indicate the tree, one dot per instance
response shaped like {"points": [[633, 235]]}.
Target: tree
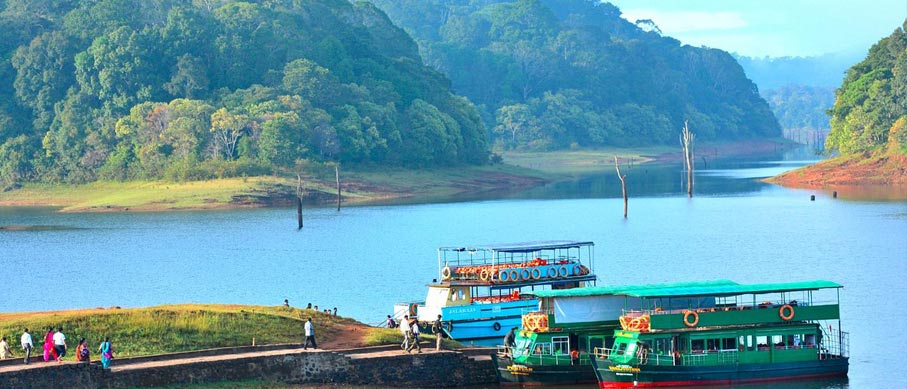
{"points": [[227, 129], [513, 120], [279, 140]]}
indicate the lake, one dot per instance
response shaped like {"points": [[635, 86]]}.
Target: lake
{"points": [[364, 259]]}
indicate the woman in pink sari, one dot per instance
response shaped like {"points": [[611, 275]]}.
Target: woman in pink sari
{"points": [[49, 352]]}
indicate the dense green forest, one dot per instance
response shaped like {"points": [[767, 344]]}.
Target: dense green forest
{"points": [[560, 73], [194, 89], [800, 106], [870, 108]]}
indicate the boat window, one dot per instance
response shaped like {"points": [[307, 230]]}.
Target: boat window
{"points": [[762, 342], [749, 343], [697, 345], [542, 349], [457, 294], [661, 346], [809, 341], [621, 349], [561, 344], [777, 341]]}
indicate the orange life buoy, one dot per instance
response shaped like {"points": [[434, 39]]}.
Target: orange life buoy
{"points": [[445, 273], [413, 310], [577, 270], [514, 275], [789, 315], [687, 321], [552, 272], [536, 273], [484, 275], [502, 275]]}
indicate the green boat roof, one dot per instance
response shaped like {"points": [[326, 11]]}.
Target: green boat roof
{"points": [[688, 289]]}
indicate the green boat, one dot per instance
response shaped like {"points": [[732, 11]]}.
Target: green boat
{"points": [[750, 333], [572, 321]]}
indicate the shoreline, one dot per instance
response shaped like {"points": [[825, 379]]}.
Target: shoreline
{"points": [[370, 186]]}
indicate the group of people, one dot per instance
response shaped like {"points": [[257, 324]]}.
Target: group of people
{"points": [[55, 347], [409, 327], [286, 303]]}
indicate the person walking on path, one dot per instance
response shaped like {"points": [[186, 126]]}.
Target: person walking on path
{"points": [[27, 345], [4, 349], [437, 327], [414, 328], [309, 335], [390, 322], [106, 351], [405, 330], [49, 352], [60, 344]]}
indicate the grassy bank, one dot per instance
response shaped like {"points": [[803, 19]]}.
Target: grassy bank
{"points": [[358, 187], [520, 170], [175, 328]]}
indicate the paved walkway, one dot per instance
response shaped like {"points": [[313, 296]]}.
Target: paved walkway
{"points": [[125, 365]]}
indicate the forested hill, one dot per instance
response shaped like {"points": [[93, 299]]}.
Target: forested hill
{"points": [[560, 73], [870, 109], [124, 89]]}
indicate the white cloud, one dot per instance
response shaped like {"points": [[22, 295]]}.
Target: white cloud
{"points": [[676, 22]]}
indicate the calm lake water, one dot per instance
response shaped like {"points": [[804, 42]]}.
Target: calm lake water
{"points": [[364, 259]]}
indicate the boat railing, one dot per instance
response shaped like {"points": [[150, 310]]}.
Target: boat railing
{"points": [[721, 357], [835, 344], [720, 308]]}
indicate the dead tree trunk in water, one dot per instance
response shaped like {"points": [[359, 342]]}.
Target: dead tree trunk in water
{"points": [[623, 185], [299, 200], [686, 140], [337, 174]]}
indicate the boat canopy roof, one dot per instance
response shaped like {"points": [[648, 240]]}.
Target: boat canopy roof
{"points": [[688, 289], [522, 247]]}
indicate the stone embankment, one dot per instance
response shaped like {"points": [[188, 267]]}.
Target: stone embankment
{"points": [[382, 366]]}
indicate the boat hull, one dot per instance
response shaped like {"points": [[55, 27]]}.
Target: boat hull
{"points": [[484, 324], [623, 376], [510, 373]]}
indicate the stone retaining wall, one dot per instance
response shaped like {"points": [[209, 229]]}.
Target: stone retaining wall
{"points": [[442, 369]]}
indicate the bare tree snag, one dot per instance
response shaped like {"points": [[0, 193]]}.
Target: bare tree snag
{"points": [[299, 201], [623, 184], [337, 175], [686, 140]]}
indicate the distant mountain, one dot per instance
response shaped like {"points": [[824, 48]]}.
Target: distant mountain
{"points": [[184, 89], [822, 71], [550, 74]]}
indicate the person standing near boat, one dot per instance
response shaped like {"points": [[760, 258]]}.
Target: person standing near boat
{"points": [[437, 327], [414, 329], [405, 330], [106, 351], [309, 335], [27, 345], [509, 341]]}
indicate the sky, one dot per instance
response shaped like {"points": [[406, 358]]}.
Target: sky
{"points": [[774, 28]]}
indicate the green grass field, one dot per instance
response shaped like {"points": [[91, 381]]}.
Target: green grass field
{"points": [[175, 328]]}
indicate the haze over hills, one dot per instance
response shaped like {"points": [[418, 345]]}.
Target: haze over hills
{"points": [[549, 74]]}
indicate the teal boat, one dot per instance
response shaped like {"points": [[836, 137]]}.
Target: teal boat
{"points": [[750, 333], [575, 321]]}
